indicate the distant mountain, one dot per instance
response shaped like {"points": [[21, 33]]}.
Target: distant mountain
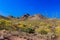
{"points": [[10, 17], [28, 17], [2, 17]]}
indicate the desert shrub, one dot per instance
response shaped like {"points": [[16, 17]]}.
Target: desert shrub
{"points": [[43, 31], [1, 28], [57, 30], [21, 26], [6, 24], [42, 23], [30, 30]]}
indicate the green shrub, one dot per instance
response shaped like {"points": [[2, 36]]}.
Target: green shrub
{"points": [[1, 28], [30, 30]]}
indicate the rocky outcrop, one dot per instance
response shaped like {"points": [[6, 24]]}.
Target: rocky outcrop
{"points": [[26, 16], [36, 17]]}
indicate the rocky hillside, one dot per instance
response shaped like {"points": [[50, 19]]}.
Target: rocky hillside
{"points": [[27, 27], [34, 17]]}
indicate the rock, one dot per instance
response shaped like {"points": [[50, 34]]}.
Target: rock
{"points": [[1, 37], [5, 39], [16, 38]]}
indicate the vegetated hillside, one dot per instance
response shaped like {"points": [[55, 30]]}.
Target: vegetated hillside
{"points": [[35, 22], [36, 25]]}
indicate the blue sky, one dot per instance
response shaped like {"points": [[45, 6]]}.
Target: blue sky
{"points": [[50, 8]]}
